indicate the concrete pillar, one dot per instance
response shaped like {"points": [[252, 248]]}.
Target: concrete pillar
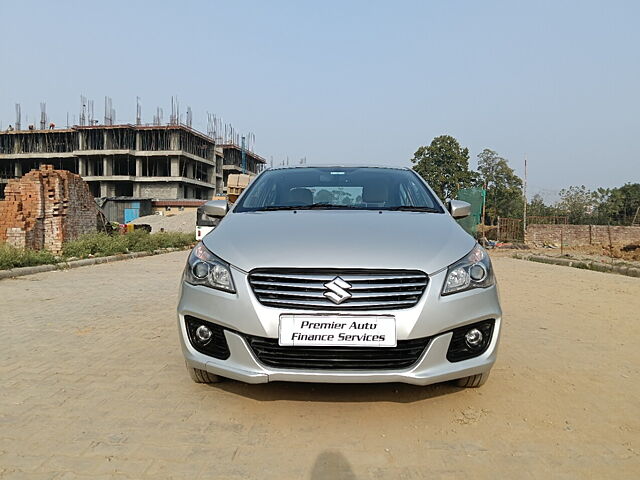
{"points": [[104, 189], [82, 141], [138, 141], [107, 166], [82, 167], [138, 166], [175, 166], [190, 169], [105, 137], [17, 169], [174, 143], [90, 167], [211, 174], [137, 190]]}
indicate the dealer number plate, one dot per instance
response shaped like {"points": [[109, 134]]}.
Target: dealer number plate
{"points": [[338, 330]]}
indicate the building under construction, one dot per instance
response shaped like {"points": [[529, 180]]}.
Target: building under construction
{"points": [[158, 161]]}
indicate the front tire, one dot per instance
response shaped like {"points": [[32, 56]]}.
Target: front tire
{"points": [[202, 376], [474, 381]]}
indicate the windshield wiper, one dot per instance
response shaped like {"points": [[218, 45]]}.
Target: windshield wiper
{"points": [[276, 207], [413, 208], [323, 205], [319, 205]]}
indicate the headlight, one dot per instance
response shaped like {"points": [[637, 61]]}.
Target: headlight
{"points": [[204, 268], [472, 271]]}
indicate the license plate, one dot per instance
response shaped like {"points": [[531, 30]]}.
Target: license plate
{"points": [[338, 330]]}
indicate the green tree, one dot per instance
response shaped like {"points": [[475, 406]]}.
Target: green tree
{"points": [[617, 206], [504, 188], [578, 204], [445, 165], [537, 208]]}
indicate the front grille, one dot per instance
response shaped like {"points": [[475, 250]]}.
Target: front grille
{"points": [[368, 289], [270, 353]]}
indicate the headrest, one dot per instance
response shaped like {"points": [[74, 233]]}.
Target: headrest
{"points": [[324, 196], [375, 193], [300, 196]]}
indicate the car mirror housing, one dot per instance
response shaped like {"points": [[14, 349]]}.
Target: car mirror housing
{"points": [[216, 208], [459, 209]]}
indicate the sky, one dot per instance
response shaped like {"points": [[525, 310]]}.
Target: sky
{"points": [[351, 81]]}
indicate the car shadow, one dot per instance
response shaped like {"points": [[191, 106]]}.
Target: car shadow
{"points": [[337, 392], [332, 465]]}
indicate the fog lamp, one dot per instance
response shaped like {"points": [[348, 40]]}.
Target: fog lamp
{"points": [[473, 338], [203, 334]]}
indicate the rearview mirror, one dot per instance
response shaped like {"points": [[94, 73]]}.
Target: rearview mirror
{"points": [[216, 208], [459, 209]]}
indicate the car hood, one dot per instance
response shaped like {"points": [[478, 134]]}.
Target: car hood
{"points": [[339, 239]]}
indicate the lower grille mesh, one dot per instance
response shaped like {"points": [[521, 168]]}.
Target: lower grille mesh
{"points": [[270, 353]]}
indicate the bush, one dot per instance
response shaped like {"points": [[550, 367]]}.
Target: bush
{"points": [[141, 241], [101, 244], [94, 244], [98, 244], [11, 257]]}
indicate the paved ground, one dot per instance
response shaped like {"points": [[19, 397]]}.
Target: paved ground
{"points": [[92, 385]]}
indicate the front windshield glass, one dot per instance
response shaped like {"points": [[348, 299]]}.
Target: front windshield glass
{"points": [[362, 188]]}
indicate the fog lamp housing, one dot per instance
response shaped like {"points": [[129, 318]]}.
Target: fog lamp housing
{"points": [[470, 340], [207, 337]]}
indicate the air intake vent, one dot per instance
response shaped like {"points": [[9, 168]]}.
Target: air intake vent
{"points": [[270, 353]]}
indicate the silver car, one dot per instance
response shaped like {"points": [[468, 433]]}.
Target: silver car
{"points": [[339, 274]]}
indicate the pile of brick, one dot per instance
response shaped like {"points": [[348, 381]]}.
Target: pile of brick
{"points": [[45, 208]]}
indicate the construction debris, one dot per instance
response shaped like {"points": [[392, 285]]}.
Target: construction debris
{"points": [[46, 208]]}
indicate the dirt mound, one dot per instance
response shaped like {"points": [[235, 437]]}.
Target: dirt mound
{"points": [[180, 222]]}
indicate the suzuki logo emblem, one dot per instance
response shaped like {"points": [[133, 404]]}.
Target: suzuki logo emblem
{"points": [[337, 290]]}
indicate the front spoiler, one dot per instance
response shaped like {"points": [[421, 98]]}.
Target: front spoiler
{"points": [[432, 367]]}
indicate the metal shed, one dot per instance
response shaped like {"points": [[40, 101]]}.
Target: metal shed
{"points": [[125, 209]]}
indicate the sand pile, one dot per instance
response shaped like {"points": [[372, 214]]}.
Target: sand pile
{"points": [[178, 222]]}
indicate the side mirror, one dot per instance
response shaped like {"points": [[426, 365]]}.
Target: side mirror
{"points": [[216, 208], [459, 209]]}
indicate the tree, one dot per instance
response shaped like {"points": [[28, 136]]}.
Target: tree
{"points": [[504, 188], [577, 203], [445, 165], [537, 208], [617, 206]]}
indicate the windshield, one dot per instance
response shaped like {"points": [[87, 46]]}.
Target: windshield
{"points": [[362, 188]]}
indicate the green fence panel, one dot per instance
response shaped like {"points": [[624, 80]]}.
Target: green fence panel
{"points": [[474, 196]]}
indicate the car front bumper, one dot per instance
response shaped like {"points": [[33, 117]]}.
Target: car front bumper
{"points": [[434, 316]]}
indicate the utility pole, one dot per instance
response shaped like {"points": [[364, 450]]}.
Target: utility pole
{"points": [[244, 158], [524, 217], [484, 209]]}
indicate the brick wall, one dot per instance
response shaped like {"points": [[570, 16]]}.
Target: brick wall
{"points": [[45, 208], [578, 235]]}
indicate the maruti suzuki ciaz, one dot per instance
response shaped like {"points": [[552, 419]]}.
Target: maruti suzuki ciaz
{"points": [[339, 274]]}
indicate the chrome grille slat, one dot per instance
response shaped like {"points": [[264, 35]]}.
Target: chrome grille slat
{"points": [[328, 305], [328, 277], [368, 289], [355, 296], [320, 285]]}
